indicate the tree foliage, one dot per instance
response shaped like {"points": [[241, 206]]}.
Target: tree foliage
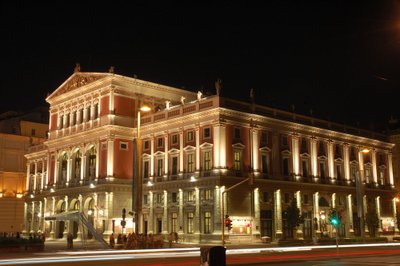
{"points": [[293, 216], [372, 220]]}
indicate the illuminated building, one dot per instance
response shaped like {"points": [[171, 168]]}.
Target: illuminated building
{"points": [[194, 147], [18, 132]]}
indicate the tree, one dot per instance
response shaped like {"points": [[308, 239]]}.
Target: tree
{"points": [[293, 216], [372, 220]]}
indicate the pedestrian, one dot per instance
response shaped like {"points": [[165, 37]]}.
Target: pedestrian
{"points": [[112, 240], [70, 241]]}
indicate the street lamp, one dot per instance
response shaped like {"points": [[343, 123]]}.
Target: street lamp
{"points": [[136, 177], [360, 196]]}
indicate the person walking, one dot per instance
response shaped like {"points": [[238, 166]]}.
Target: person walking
{"points": [[70, 241]]}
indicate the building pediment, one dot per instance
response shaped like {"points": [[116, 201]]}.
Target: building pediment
{"points": [[76, 81]]}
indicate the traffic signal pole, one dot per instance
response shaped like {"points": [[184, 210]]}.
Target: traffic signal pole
{"points": [[222, 207]]}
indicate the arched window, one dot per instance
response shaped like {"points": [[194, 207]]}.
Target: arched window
{"points": [[91, 163], [63, 168], [77, 160]]}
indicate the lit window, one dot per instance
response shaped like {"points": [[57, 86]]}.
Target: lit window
{"points": [[238, 160], [190, 163]]}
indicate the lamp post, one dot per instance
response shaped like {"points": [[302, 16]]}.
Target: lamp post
{"points": [[136, 177]]}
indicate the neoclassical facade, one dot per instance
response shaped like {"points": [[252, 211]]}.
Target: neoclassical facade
{"points": [[196, 151]]}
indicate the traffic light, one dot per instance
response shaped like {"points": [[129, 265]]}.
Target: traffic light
{"points": [[334, 217], [228, 222]]}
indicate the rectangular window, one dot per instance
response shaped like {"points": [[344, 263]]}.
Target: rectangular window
{"points": [[367, 175], [353, 172], [146, 144], [74, 118], [338, 171], [322, 170], [264, 138], [237, 161], [123, 146], [61, 122], [174, 167], [88, 117], [236, 133], [159, 198], [285, 165], [305, 199], [174, 197], [174, 139], [190, 163], [207, 161], [160, 167], [207, 194], [287, 198], [33, 132], [284, 141], [174, 222], [80, 118], [160, 143], [191, 195], [304, 167], [67, 120], [190, 136], [207, 133], [207, 222], [266, 196], [146, 169], [145, 199], [264, 164], [190, 216], [96, 111]]}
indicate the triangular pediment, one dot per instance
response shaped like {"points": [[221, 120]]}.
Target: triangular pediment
{"points": [[76, 81]]}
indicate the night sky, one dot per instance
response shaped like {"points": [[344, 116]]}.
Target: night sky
{"points": [[340, 59]]}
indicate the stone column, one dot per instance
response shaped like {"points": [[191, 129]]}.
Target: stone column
{"points": [[180, 211], [35, 177], [69, 170], [278, 214], [151, 213], [53, 223], [378, 211], [374, 166], [394, 210], [152, 157], [331, 160], [197, 216], [28, 176], [166, 156], [165, 214], [80, 226], [217, 211], [295, 155], [299, 231], [110, 159], [25, 227], [256, 223], [390, 169], [349, 214], [316, 221], [314, 156], [180, 151], [108, 214], [197, 138], [346, 162]]}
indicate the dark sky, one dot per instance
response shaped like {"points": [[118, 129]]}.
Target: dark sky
{"points": [[339, 58]]}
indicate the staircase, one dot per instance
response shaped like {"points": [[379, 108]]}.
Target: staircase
{"points": [[92, 230]]}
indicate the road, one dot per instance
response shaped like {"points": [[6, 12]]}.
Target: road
{"points": [[350, 255]]}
